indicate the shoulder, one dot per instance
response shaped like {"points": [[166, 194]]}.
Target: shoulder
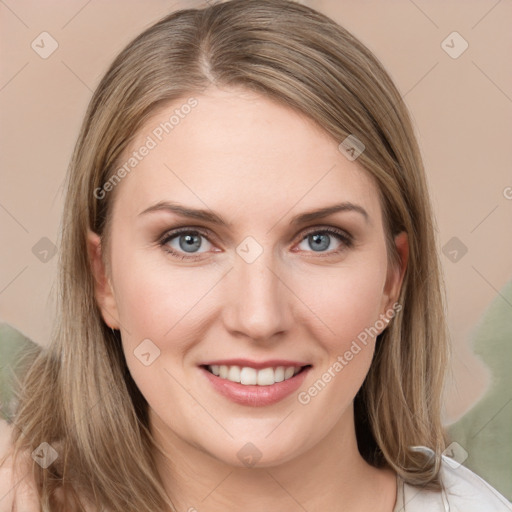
{"points": [[17, 489], [464, 491], [465, 488]]}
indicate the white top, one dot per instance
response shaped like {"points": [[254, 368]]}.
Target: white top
{"points": [[464, 491]]}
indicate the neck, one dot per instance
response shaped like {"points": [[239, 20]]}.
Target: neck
{"points": [[331, 475]]}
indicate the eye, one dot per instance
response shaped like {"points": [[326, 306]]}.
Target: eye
{"points": [[320, 240], [185, 243]]}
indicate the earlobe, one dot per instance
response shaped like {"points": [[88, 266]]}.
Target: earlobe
{"points": [[102, 288]]}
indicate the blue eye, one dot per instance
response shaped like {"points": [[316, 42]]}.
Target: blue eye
{"points": [[187, 240], [320, 240], [186, 243]]}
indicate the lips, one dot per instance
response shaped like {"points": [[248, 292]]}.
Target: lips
{"points": [[255, 383]]}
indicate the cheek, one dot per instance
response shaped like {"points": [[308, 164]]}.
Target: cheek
{"points": [[151, 295], [350, 306], [163, 302], [345, 300]]}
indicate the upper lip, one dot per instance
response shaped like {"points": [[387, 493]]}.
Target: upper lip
{"points": [[258, 365]]}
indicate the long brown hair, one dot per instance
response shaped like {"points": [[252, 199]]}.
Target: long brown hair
{"points": [[78, 394]]}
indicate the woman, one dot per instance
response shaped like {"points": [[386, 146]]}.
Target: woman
{"points": [[251, 310]]}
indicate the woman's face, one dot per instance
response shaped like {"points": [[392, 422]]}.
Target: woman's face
{"points": [[252, 280]]}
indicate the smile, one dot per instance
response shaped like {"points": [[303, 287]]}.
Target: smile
{"points": [[251, 376], [256, 387]]}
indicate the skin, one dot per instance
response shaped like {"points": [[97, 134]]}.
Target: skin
{"points": [[257, 164]]}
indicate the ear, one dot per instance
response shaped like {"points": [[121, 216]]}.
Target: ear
{"points": [[396, 273], [103, 290]]}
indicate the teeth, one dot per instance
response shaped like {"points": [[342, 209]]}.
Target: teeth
{"points": [[234, 374], [266, 377], [250, 376], [289, 372]]}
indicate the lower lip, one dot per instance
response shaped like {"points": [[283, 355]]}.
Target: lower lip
{"points": [[256, 396]]}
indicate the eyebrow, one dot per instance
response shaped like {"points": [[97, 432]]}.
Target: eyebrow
{"points": [[213, 218]]}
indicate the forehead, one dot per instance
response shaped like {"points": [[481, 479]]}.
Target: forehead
{"points": [[239, 153]]}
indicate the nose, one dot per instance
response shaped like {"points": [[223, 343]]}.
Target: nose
{"points": [[259, 304]]}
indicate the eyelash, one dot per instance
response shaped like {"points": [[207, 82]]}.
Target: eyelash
{"points": [[342, 236]]}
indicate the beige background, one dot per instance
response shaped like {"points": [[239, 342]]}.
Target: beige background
{"points": [[462, 110]]}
